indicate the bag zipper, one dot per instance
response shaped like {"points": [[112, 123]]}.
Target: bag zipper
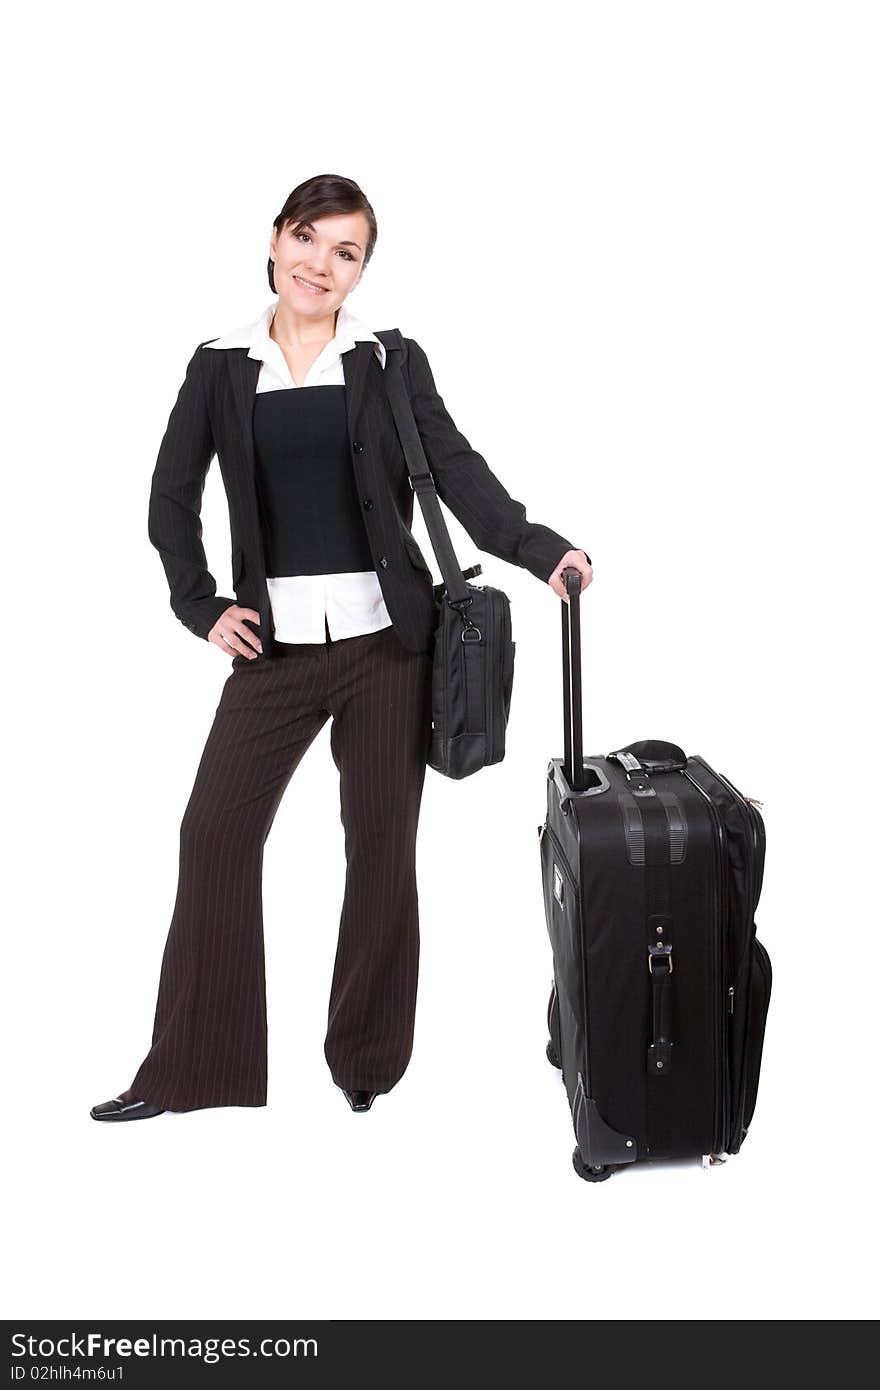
{"points": [[490, 693]]}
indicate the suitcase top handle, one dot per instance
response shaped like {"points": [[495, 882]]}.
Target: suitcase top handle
{"points": [[651, 754]]}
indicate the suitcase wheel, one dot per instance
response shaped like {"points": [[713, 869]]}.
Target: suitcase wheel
{"points": [[597, 1174], [553, 1055]]}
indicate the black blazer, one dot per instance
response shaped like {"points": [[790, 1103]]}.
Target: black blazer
{"points": [[213, 415]]}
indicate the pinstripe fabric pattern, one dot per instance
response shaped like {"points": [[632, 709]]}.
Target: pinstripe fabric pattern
{"points": [[209, 1043]]}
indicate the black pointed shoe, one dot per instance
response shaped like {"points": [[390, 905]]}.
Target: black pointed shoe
{"points": [[117, 1109], [360, 1100]]}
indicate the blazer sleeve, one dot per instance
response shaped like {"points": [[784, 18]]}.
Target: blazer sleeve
{"points": [[494, 520], [175, 527]]}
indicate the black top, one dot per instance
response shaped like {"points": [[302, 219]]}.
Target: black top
{"points": [[312, 521]]}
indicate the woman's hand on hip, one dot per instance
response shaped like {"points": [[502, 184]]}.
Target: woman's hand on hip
{"points": [[232, 637], [575, 560]]}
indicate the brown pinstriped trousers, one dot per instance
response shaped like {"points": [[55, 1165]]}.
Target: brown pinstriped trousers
{"points": [[210, 1031]]}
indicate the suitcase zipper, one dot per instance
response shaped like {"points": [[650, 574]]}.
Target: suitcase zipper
{"points": [[755, 824], [722, 1073], [755, 877]]}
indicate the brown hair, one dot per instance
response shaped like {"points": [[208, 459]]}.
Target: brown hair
{"points": [[324, 195]]}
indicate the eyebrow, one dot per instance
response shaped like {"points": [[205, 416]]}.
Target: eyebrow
{"points": [[312, 228]]}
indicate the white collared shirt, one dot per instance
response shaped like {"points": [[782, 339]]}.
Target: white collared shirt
{"points": [[351, 603]]}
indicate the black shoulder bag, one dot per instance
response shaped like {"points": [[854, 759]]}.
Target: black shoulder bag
{"points": [[473, 645]]}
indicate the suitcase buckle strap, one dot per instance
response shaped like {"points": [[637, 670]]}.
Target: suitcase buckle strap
{"points": [[636, 775], [627, 761], [660, 1049], [660, 952]]}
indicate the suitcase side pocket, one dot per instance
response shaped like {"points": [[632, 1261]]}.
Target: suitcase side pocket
{"points": [[562, 911], [554, 1045], [759, 1003]]}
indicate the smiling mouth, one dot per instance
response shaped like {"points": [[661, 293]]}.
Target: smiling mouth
{"points": [[307, 284]]}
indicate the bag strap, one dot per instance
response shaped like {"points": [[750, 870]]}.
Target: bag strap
{"points": [[420, 478]]}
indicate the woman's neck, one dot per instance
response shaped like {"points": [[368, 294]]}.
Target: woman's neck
{"points": [[288, 330]]}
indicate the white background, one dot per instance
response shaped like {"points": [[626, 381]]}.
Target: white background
{"points": [[639, 245]]}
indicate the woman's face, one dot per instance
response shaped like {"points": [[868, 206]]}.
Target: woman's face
{"points": [[328, 253]]}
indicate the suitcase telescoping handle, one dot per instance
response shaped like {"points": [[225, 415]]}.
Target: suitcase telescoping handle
{"points": [[572, 694], [647, 755]]}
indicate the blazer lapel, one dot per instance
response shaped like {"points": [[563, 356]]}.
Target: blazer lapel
{"points": [[354, 368], [244, 372]]}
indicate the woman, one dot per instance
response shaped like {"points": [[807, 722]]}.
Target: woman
{"points": [[333, 618]]}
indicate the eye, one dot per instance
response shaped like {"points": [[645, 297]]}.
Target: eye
{"points": [[348, 256]]}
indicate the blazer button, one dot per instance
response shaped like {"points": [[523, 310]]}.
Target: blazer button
{"points": [[358, 447], [383, 562], [368, 504]]}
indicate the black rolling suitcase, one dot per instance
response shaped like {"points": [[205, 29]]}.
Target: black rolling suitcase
{"points": [[652, 865]]}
